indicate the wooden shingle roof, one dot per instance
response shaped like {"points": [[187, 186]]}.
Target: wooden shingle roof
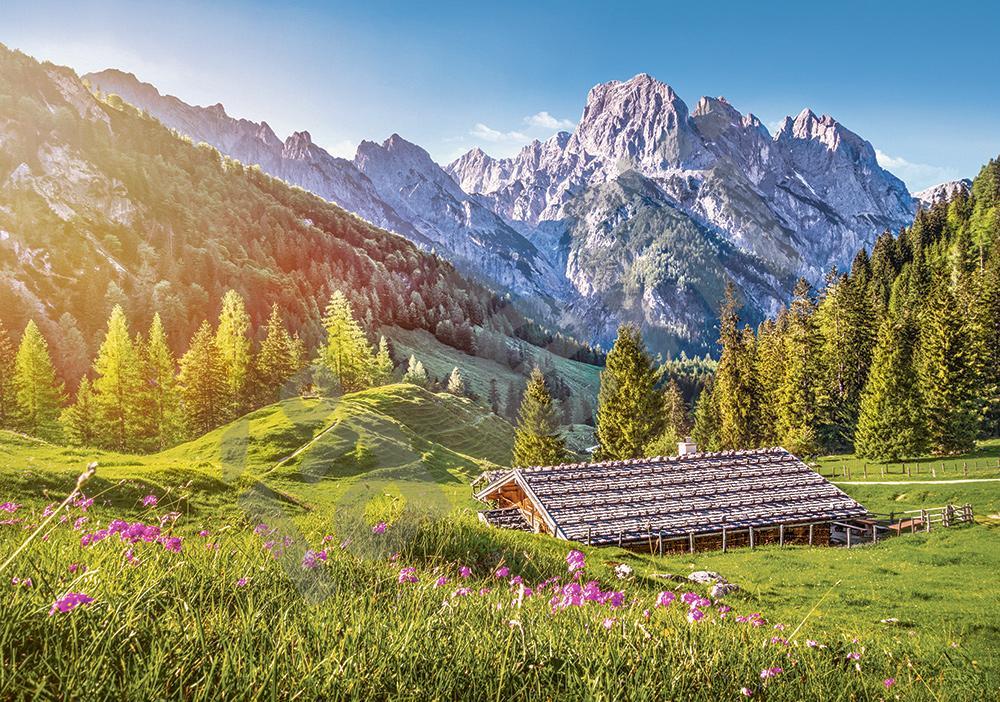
{"points": [[675, 496], [510, 518]]}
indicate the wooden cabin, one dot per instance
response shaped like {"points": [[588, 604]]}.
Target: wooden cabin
{"points": [[694, 501]]}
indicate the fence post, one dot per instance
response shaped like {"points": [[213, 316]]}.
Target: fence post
{"points": [[723, 538], [924, 518], [659, 545], [965, 470], [751, 537], [691, 541], [874, 534], [866, 471], [589, 532], [781, 534], [619, 539], [810, 534], [849, 537]]}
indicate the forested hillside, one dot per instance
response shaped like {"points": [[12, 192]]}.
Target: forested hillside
{"points": [[898, 356]]}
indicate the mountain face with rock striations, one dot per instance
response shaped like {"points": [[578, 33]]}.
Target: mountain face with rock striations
{"points": [[640, 214], [942, 192]]}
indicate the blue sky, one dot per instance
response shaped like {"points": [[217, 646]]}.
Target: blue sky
{"points": [[918, 80]]}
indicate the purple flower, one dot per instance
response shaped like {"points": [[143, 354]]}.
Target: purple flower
{"points": [[78, 524], [465, 571], [462, 592], [172, 543], [771, 672], [664, 599], [889, 682], [10, 507], [407, 575], [695, 615], [379, 528], [440, 582], [204, 533], [779, 640], [608, 622], [74, 567], [242, 582], [83, 502], [575, 560], [746, 692], [313, 558], [502, 572], [69, 602], [150, 501], [854, 656]]}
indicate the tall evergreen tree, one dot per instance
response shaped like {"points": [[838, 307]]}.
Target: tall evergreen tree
{"points": [[37, 390], [494, 397], [986, 326], [706, 420], [737, 390], [73, 359], [415, 373], [947, 375], [79, 420], [117, 386], [8, 395], [383, 365], [770, 373], [513, 402], [277, 361], [160, 399], [346, 353], [456, 386], [537, 440], [204, 392], [675, 422], [232, 339], [798, 404], [890, 420], [629, 408]]}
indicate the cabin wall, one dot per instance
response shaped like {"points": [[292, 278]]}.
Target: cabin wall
{"points": [[511, 495], [762, 536]]}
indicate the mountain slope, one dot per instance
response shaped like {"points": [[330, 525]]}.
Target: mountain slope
{"points": [[100, 205], [394, 185]]}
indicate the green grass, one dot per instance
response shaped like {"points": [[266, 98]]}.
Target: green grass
{"points": [[175, 625], [984, 462]]}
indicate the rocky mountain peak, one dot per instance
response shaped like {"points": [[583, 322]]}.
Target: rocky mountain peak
{"points": [[297, 146]]}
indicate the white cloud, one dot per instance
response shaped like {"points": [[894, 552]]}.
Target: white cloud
{"points": [[344, 148], [481, 131], [546, 121], [917, 176]]}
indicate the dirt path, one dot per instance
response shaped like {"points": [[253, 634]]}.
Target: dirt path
{"points": [[915, 482]]}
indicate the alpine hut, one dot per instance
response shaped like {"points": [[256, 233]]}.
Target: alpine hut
{"points": [[692, 501]]}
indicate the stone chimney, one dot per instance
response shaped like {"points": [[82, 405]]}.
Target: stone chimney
{"points": [[687, 447]]}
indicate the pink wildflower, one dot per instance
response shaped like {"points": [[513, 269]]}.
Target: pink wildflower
{"points": [[664, 599], [695, 615], [779, 640], [49, 509], [242, 582], [78, 524], [746, 692], [502, 572], [771, 672], [811, 644], [379, 528], [575, 560], [608, 622], [854, 656], [440, 582], [74, 567], [130, 557], [172, 543], [462, 592], [779, 627], [313, 558], [465, 571], [69, 602], [83, 502], [407, 575], [204, 533], [889, 682], [9, 507], [150, 501]]}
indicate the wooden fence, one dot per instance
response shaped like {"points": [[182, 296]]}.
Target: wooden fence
{"points": [[934, 469]]}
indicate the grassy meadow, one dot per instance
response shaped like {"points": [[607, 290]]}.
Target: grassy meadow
{"points": [[261, 569]]}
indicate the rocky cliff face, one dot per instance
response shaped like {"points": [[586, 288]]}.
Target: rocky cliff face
{"points": [[640, 214], [942, 192]]}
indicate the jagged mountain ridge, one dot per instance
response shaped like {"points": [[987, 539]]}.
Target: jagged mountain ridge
{"points": [[394, 185], [640, 214], [942, 192]]}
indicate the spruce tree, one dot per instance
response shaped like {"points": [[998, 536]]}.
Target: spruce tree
{"points": [[79, 420], [37, 391], [494, 397], [737, 390], [798, 404], [948, 375], [160, 398], [73, 359], [986, 327], [204, 392], [8, 398], [383, 365], [117, 387], [232, 339], [513, 402], [456, 386], [675, 422], [537, 440], [629, 408], [706, 420], [346, 353], [277, 361], [890, 419], [770, 373], [415, 373]]}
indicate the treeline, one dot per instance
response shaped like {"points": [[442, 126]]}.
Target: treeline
{"points": [[896, 358], [169, 226]]}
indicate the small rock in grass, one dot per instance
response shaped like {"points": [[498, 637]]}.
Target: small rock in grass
{"points": [[670, 576], [721, 589], [705, 577]]}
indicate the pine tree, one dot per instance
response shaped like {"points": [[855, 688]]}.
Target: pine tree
{"points": [[706, 420], [629, 408], [986, 327], [8, 399], [346, 353], [79, 420], [383, 365], [37, 391], [798, 404], [160, 398], [675, 422], [770, 372], [456, 386], [537, 440], [948, 375], [513, 402], [117, 386], [277, 362], [890, 420], [204, 392], [73, 359], [494, 397], [737, 391], [232, 339], [415, 373]]}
